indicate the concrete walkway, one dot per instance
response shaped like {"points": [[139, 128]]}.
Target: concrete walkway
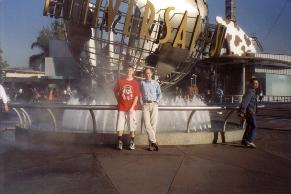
{"points": [[27, 168], [50, 169]]}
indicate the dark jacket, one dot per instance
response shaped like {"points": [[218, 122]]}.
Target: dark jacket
{"points": [[249, 102]]}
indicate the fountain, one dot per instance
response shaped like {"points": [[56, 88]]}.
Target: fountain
{"points": [[80, 120]]}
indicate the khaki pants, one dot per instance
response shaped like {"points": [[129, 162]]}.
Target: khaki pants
{"points": [[150, 117], [126, 117]]}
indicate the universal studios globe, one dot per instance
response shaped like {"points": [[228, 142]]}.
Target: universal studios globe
{"points": [[106, 35]]}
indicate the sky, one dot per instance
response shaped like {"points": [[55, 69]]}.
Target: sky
{"points": [[21, 20]]}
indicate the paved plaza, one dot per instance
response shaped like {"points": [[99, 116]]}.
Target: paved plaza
{"points": [[27, 168]]}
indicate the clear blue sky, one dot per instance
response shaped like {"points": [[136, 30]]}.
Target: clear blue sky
{"points": [[21, 20]]}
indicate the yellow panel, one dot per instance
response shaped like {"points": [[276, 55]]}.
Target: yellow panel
{"points": [[85, 10], [168, 26], [196, 33], [180, 38], [147, 23], [127, 25], [112, 12], [96, 14], [217, 40], [46, 7]]}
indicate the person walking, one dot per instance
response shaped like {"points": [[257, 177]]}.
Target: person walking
{"points": [[247, 110], [4, 98], [151, 95], [127, 93]]}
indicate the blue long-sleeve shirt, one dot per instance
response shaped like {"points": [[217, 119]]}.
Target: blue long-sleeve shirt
{"points": [[151, 90], [249, 102]]}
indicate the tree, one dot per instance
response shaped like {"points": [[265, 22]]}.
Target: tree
{"points": [[54, 31], [3, 63]]}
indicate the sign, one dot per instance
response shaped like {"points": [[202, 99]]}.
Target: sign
{"points": [[81, 12]]}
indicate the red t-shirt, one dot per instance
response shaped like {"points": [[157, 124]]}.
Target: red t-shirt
{"points": [[127, 90]]}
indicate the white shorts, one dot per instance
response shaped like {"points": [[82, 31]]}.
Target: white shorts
{"points": [[128, 118]]}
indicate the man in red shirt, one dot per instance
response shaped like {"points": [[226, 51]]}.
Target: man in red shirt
{"points": [[127, 92]]}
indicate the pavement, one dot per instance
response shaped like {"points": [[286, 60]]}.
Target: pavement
{"points": [[27, 168]]}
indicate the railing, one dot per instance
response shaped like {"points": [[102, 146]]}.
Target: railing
{"points": [[276, 99], [285, 58], [26, 122], [267, 98], [233, 98]]}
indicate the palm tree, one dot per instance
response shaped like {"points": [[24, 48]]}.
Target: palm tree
{"points": [[54, 31], [3, 63]]}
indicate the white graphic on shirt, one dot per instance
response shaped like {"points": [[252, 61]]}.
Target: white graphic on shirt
{"points": [[127, 92]]}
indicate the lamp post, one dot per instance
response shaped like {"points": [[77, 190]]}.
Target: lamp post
{"points": [[194, 76]]}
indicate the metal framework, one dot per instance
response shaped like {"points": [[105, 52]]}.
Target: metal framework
{"points": [[109, 55], [230, 9]]}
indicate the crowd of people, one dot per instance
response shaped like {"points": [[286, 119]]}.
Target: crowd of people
{"points": [[26, 93]]}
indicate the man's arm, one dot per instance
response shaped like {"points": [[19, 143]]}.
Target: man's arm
{"points": [[137, 94], [141, 99], [134, 103], [245, 101], [4, 98], [5, 107], [141, 93], [159, 92]]}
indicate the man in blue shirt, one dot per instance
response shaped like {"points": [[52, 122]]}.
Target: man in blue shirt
{"points": [[151, 95]]}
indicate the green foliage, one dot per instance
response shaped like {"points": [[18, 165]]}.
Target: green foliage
{"points": [[3, 63], [54, 31]]}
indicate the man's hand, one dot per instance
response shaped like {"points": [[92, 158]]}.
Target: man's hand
{"points": [[131, 109], [5, 108], [241, 115], [141, 103]]}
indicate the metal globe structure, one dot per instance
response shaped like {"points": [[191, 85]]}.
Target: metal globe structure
{"points": [[105, 36]]}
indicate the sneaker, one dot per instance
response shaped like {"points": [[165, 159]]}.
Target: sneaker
{"points": [[120, 145], [131, 145], [251, 145], [155, 146], [151, 148]]}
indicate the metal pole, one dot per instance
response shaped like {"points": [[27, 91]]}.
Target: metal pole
{"points": [[53, 118], [244, 79], [93, 120], [230, 10], [189, 120]]}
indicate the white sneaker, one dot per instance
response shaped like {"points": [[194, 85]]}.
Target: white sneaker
{"points": [[131, 145], [251, 144], [120, 145]]}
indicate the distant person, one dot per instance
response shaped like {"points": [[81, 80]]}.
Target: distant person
{"points": [[4, 98], [67, 93], [127, 92], [247, 110], [192, 91], [220, 95], [36, 95], [50, 95], [22, 95], [17, 94], [151, 95]]}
